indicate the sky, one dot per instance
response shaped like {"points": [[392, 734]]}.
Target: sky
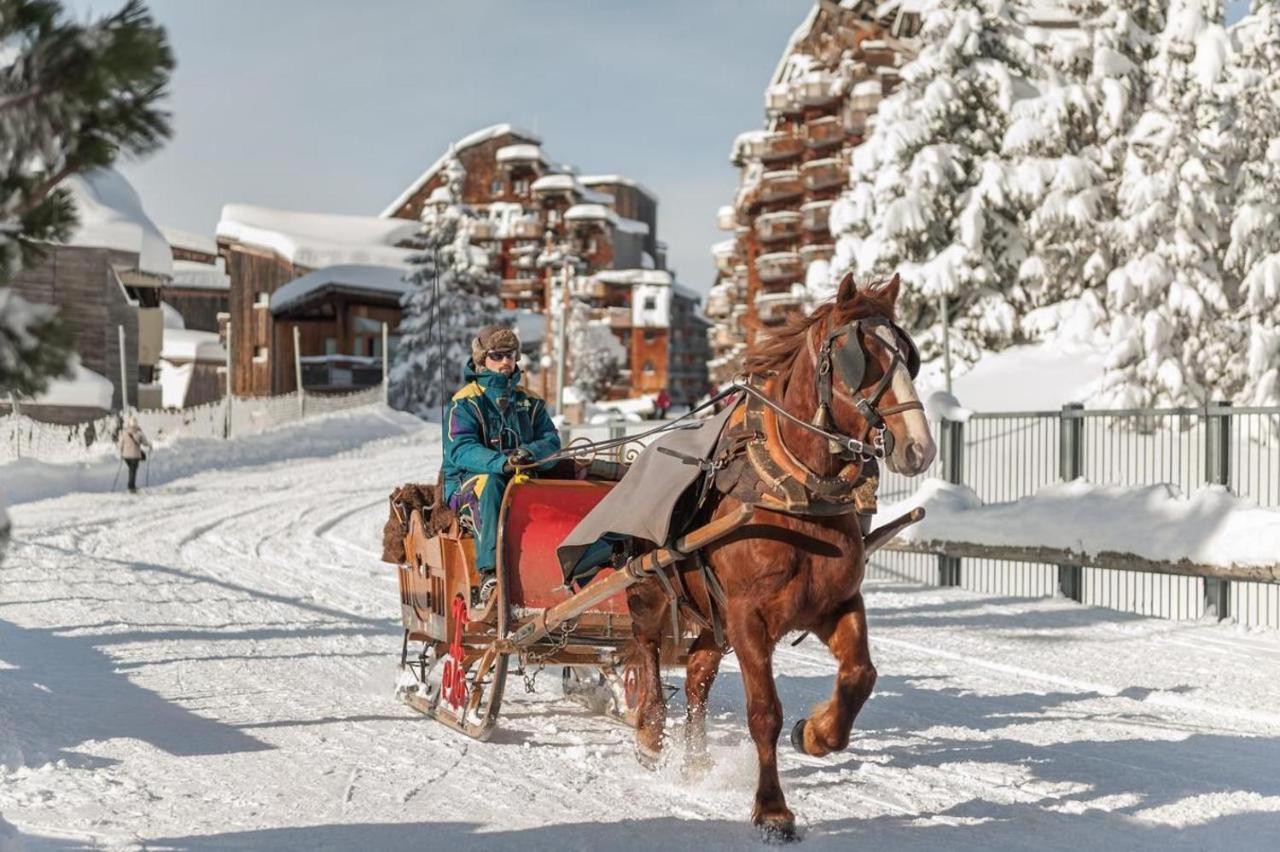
{"points": [[335, 106]]}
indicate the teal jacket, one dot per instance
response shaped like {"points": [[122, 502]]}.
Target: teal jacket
{"points": [[479, 432]]}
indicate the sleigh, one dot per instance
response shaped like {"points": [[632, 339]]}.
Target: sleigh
{"points": [[457, 650]]}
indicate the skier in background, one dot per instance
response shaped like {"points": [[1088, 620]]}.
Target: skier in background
{"points": [[133, 443]]}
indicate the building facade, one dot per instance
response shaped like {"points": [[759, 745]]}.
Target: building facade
{"points": [[820, 104], [533, 211]]}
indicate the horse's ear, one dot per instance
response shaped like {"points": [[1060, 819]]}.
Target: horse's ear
{"points": [[891, 287], [845, 292]]}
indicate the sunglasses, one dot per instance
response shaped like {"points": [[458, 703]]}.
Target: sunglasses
{"points": [[507, 355]]}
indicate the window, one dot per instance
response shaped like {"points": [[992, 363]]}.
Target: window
{"points": [[262, 299], [592, 247], [260, 353], [649, 335], [495, 188], [331, 346], [521, 186], [648, 368], [650, 303]]}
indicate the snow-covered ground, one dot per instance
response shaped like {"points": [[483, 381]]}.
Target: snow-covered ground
{"points": [[209, 665]]}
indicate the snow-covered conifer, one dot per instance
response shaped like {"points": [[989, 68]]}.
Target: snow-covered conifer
{"points": [[455, 296], [931, 196], [1253, 255], [1167, 293], [597, 354], [73, 97]]}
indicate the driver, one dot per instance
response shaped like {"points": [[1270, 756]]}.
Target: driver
{"points": [[493, 424]]}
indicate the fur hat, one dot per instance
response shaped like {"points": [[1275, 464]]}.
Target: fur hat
{"points": [[493, 338]]}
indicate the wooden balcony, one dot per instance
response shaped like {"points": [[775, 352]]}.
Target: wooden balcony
{"points": [[718, 304], [878, 53], [780, 266], [726, 255], [773, 308], [783, 225], [483, 229], [781, 185], [340, 372], [817, 251], [866, 96], [521, 289], [824, 132], [780, 146], [816, 215], [722, 337], [727, 218], [618, 317], [778, 100], [526, 229], [816, 88], [824, 174]]}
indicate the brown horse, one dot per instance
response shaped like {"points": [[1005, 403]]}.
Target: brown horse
{"points": [[788, 570]]}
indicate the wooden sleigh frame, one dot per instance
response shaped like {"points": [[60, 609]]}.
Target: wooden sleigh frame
{"points": [[474, 644]]}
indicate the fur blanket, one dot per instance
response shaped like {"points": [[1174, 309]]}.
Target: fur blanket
{"points": [[400, 508]]}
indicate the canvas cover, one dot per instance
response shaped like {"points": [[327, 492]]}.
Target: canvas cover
{"points": [[641, 505]]}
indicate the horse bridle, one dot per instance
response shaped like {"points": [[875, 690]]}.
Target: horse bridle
{"points": [[850, 360]]}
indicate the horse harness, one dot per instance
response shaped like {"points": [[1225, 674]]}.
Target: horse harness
{"points": [[755, 465]]}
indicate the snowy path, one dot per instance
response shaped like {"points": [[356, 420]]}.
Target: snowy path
{"points": [[210, 666]]}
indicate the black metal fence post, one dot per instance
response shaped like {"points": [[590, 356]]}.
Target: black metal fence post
{"points": [[1071, 466], [953, 469], [1217, 471]]}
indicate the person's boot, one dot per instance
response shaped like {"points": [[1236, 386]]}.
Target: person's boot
{"points": [[487, 588]]}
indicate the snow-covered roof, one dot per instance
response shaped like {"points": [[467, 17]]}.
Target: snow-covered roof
{"points": [[109, 215], [189, 241], [353, 279], [620, 180], [194, 275], [569, 183], [185, 344], [583, 212], [658, 277], [317, 240], [472, 139]]}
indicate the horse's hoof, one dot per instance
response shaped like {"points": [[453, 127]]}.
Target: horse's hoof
{"points": [[648, 758], [696, 766], [777, 829], [797, 736]]}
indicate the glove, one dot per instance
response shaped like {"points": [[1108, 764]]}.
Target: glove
{"points": [[521, 457]]}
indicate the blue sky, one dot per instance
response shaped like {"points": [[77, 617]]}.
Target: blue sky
{"points": [[335, 106]]}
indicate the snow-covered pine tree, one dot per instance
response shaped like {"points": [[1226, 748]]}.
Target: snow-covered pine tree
{"points": [[1170, 339], [1066, 145], [1253, 255], [435, 333], [598, 355], [73, 97], [930, 195]]}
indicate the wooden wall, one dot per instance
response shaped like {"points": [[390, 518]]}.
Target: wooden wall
{"points": [[199, 307], [255, 271], [81, 283]]}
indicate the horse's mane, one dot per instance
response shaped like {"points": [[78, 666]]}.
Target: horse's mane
{"points": [[776, 350]]}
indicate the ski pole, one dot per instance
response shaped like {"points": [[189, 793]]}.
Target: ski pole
{"points": [[148, 474]]}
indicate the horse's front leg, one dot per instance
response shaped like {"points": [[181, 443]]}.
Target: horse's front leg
{"points": [[831, 723], [648, 605], [750, 638], [700, 673]]}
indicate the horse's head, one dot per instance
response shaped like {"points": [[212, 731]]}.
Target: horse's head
{"points": [[865, 367]]}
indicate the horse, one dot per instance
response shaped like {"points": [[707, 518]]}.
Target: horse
{"points": [[796, 566]]}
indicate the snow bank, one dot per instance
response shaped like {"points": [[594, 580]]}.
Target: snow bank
{"points": [[1157, 522], [25, 480], [109, 215], [85, 389], [317, 240]]}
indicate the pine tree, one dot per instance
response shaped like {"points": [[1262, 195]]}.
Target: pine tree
{"points": [[455, 295], [73, 97], [1169, 298], [930, 196], [1253, 255], [1067, 145], [597, 355]]}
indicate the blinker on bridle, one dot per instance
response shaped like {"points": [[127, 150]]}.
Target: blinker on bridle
{"points": [[850, 361]]}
